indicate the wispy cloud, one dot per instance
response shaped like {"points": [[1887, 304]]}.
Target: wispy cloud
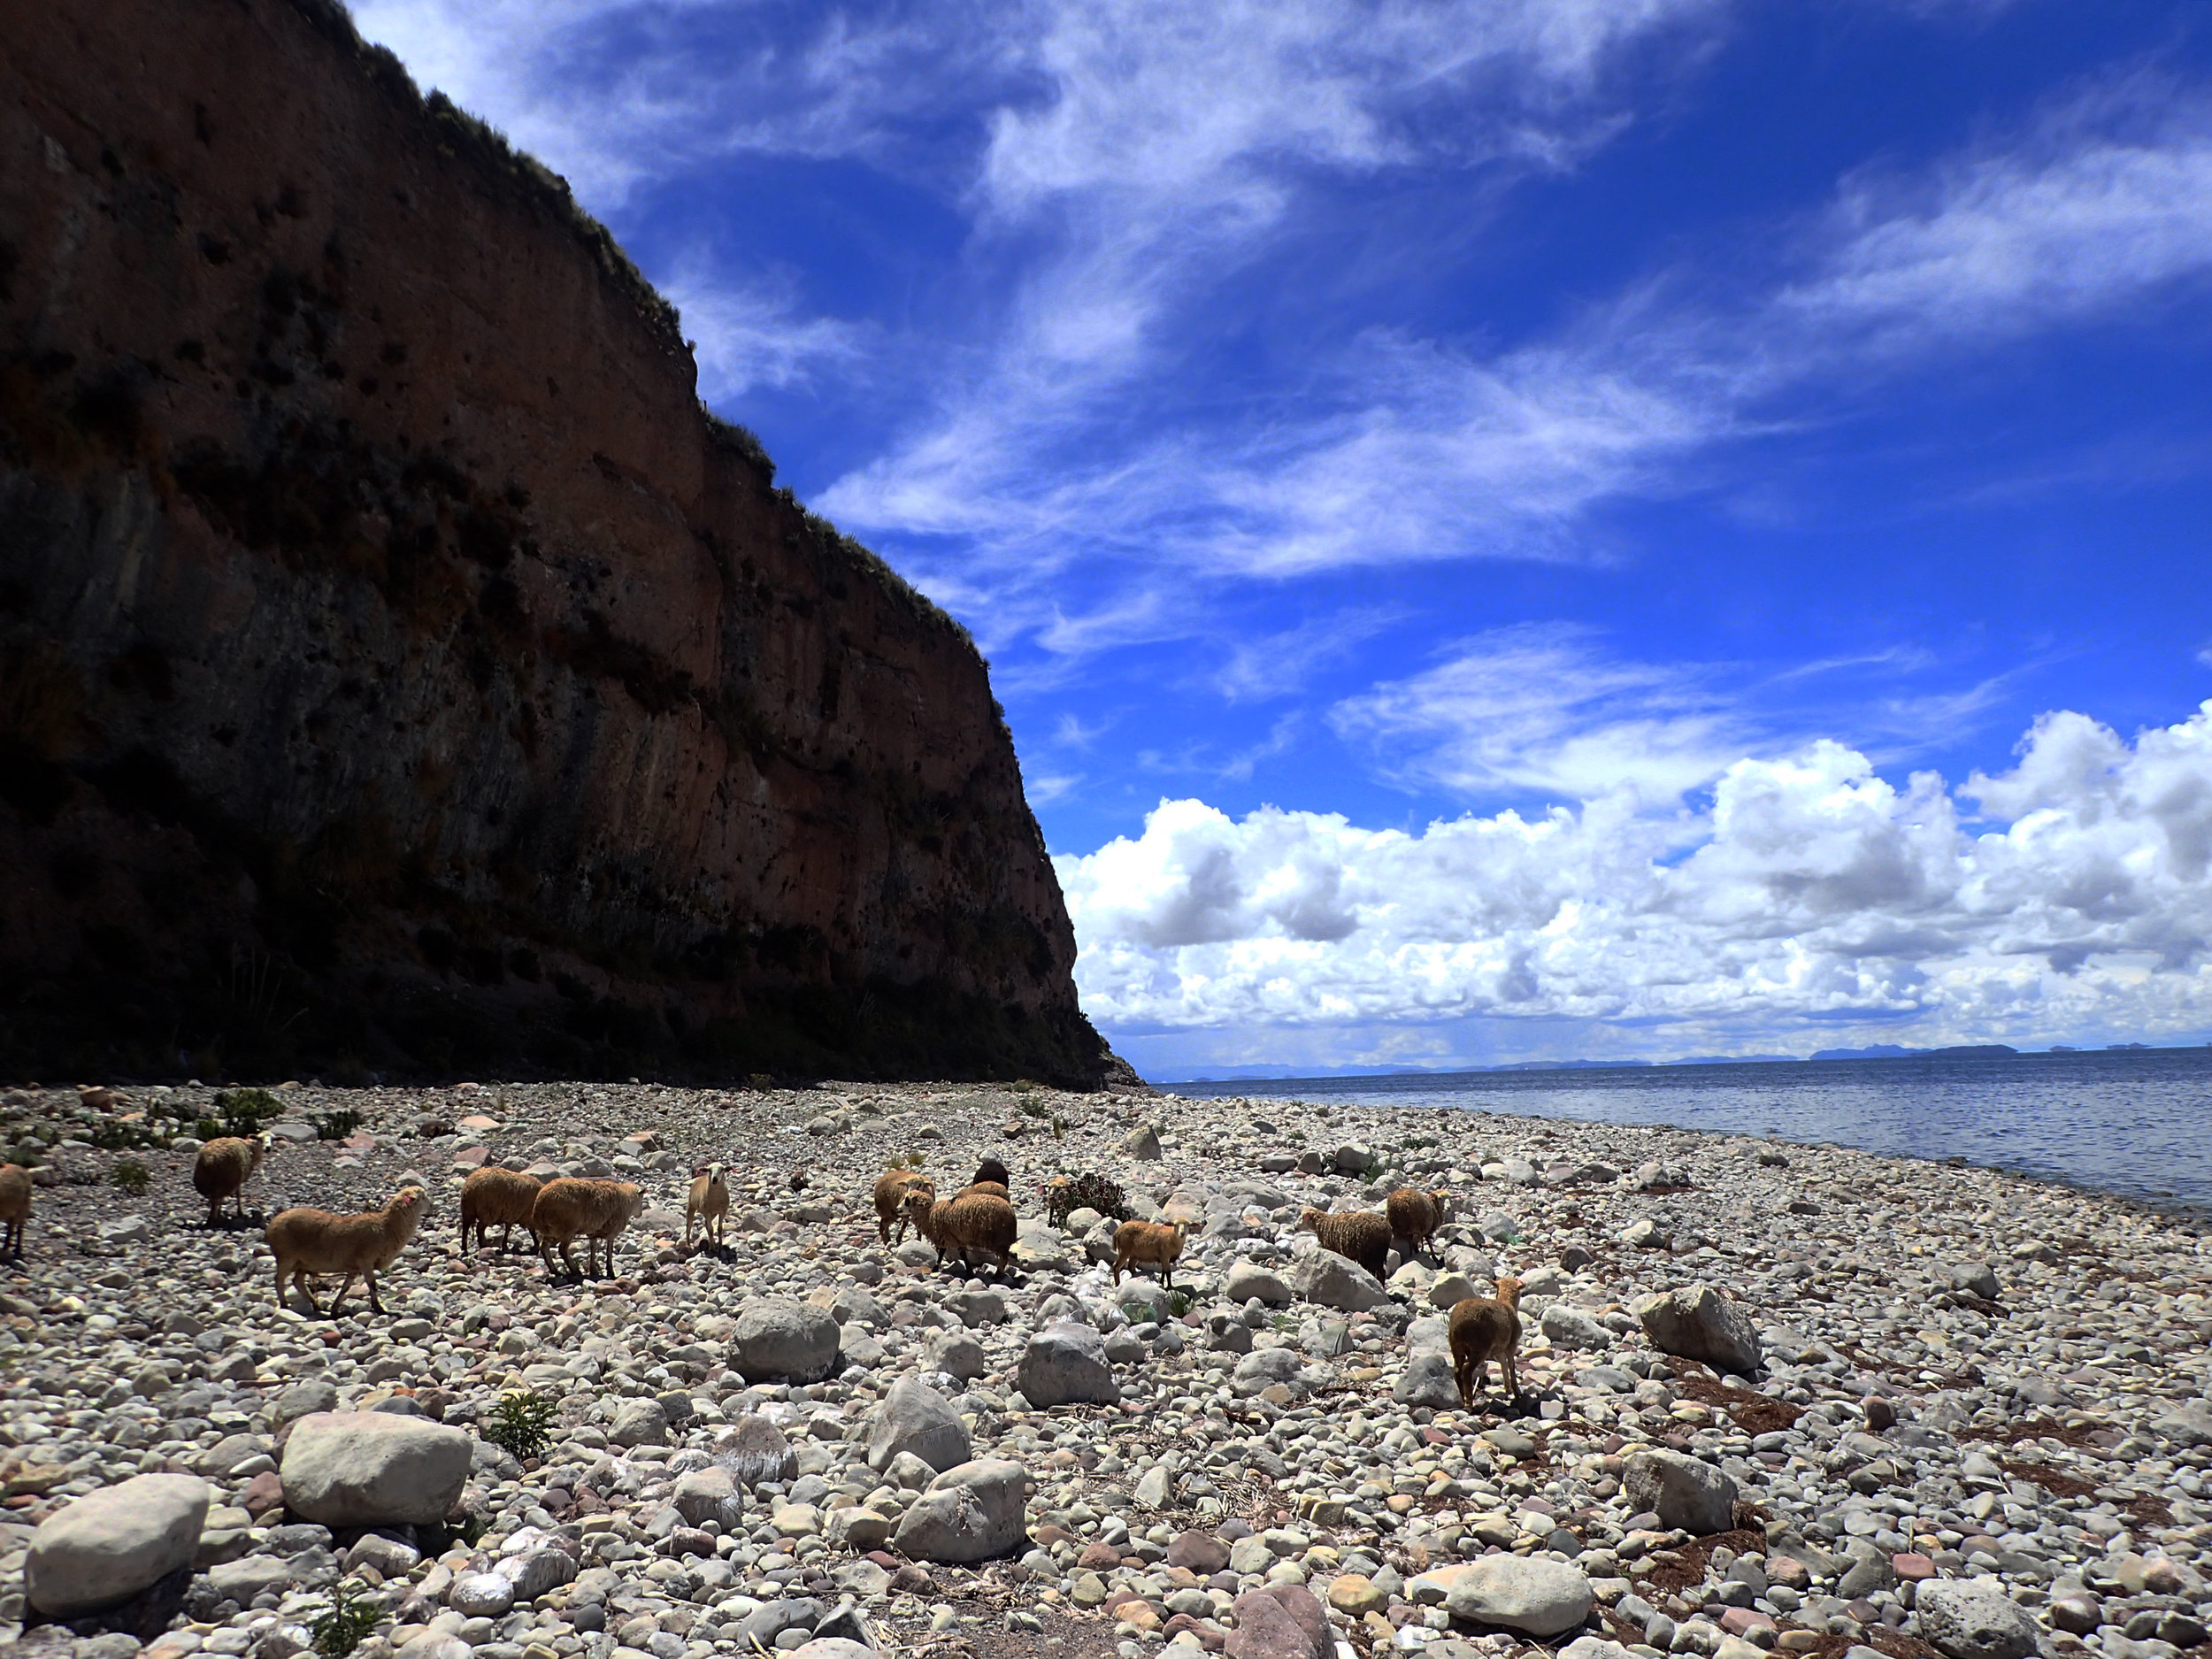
{"points": [[759, 334]]}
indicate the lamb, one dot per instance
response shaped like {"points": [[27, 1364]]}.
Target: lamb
{"points": [[493, 1196], [1362, 1235], [222, 1170], [572, 1208], [315, 1242], [1482, 1330], [708, 1203], [892, 1188], [1414, 1216], [15, 1206], [978, 1222], [1136, 1243]]}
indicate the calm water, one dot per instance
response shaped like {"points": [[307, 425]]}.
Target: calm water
{"points": [[2138, 1123]]}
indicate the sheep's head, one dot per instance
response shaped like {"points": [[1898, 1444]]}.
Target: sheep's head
{"points": [[633, 1200], [714, 1175], [408, 1204], [1310, 1220], [1509, 1292]]}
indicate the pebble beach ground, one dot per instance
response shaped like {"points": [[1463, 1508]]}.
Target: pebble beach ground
{"points": [[1940, 1409]]}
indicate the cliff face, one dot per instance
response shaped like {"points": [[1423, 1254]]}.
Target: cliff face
{"points": [[401, 671]]}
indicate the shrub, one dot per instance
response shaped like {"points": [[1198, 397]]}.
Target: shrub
{"points": [[207, 1129], [906, 1161], [121, 1137], [762, 1081], [247, 1111], [1059, 1127], [1373, 1171], [1181, 1302], [130, 1175], [521, 1424], [336, 1126], [345, 1621]]}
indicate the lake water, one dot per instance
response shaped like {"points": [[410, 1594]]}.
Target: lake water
{"points": [[2136, 1122]]}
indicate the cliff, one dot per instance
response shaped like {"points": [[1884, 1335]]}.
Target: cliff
{"points": [[399, 669]]}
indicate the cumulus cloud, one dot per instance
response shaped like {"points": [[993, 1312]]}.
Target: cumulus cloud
{"points": [[2072, 892]]}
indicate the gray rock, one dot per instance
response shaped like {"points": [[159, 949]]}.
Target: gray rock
{"points": [[249, 1576], [303, 1399], [755, 1453], [780, 1341], [536, 1571], [1248, 1280], [1279, 1622], [709, 1495], [1532, 1595], [480, 1595], [1976, 1278], [1594, 1648], [833, 1648], [370, 1469], [972, 1512], [1698, 1323], [2189, 1423], [110, 1545], [1682, 1491], [915, 1417], [1065, 1364], [1974, 1620], [388, 1556], [1427, 1381], [642, 1422], [1329, 1281], [957, 1354], [1141, 1143], [1569, 1327]]}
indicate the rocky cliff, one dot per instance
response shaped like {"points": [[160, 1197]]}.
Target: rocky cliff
{"points": [[402, 672]]}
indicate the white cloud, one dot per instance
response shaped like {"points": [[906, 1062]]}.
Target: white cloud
{"points": [[756, 335], [1811, 895]]}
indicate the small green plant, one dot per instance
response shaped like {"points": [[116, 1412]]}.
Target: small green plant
{"points": [[247, 1111], [906, 1161], [471, 1530], [345, 1621], [1022, 1085], [1373, 1171], [122, 1137], [1030, 1106], [1181, 1302], [1059, 1127], [1296, 1137], [207, 1129], [129, 1175], [336, 1126], [761, 1082], [521, 1424]]}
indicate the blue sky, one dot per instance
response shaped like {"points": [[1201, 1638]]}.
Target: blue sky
{"points": [[1525, 529]]}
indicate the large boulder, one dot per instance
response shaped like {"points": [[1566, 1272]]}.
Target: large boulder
{"points": [[1566, 1326], [784, 1341], [1248, 1280], [1682, 1491], [1065, 1364], [1142, 1143], [1428, 1378], [709, 1495], [972, 1512], [110, 1545], [2190, 1424], [1282, 1621], [373, 1468], [1975, 1620], [1533, 1594], [915, 1417], [1698, 1323], [1329, 1281], [641, 1422]]}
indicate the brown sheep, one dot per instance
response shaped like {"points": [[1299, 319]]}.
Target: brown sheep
{"points": [[1482, 1330], [595, 1212], [985, 1189], [1414, 1216], [495, 1197], [979, 1223], [892, 1188], [315, 1242], [222, 1170], [15, 1205], [1136, 1243], [1360, 1235], [709, 1204]]}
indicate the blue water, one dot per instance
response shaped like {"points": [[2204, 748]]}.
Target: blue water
{"points": [[2137, 1123]]}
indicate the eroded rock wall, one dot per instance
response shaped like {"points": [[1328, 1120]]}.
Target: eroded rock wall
{"points": [[402, 672]]}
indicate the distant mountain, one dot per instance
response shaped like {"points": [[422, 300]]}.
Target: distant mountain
{"points": [[1875, 1051]]}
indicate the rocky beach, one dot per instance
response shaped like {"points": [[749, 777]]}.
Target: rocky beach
{"points": [[1778, 1398]]}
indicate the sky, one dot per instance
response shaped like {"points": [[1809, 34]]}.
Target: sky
{"points": [[1521, 529]]}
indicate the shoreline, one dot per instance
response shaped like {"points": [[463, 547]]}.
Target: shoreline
{"points": [[1262, 1438]]}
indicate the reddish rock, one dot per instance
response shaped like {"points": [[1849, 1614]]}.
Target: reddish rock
{"points": [[422, 641], [1280, 1622], [264, 1492], [1913, 1565], [1210, 1636], [1737, 1620], [1098, 1558], [1201, 1553]]}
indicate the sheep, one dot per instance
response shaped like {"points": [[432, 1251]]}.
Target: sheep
{"points": [[222, 1170], [991, 1172], [709, 1204], [1361, 1235], [15, 1206], [1481, 1330], [315, 1242], [493, 1196], [570, 1208], [892, 1188], [1414, 1216], [978, 1222], [985, 1189], [1136, 1243]]}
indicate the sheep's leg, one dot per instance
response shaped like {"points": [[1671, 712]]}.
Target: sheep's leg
{"points": [[374, 1305], [568, 1258], [340, 1297], [1511, 1365], [305, 1286]]}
